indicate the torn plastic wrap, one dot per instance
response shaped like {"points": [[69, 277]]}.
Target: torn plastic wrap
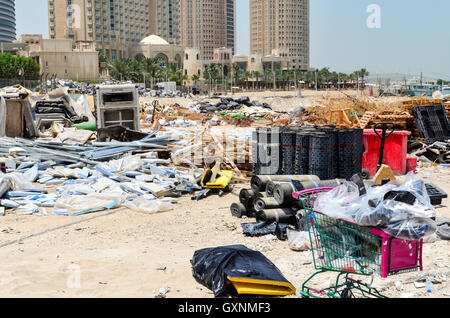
{"points": [[93, 202], [216, 267], [19, 181], [401, 211], [335, 202], [144, 205]]}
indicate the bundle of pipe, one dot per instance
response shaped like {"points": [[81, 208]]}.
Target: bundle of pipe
{"points": [[283, 191], [246, 205], [270, 187], [262, 204], [284, 216], [259, 182], [247, 197], [238, 210]]}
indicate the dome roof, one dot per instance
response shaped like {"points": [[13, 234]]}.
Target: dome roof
{"points": [[154, 40]]}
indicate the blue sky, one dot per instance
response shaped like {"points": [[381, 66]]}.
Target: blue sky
{"points": [[412, 37]]}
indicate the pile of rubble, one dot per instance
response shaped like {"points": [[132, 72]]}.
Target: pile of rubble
{"points": [[438, 152], [75, 179], [227, 104]]}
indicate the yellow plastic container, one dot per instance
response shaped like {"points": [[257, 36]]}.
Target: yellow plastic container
{"points": [[248, 286], [222, 181]]}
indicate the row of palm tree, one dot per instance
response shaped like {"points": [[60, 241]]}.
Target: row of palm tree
{"points": [[149, 70], [323, 78], [141, 69]]}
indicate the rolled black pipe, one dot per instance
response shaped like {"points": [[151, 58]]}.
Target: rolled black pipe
{"points": [[283, 216], [246, 196], [283, 191], [262, 204], [238, 210], [270, 187], [259, 183]]}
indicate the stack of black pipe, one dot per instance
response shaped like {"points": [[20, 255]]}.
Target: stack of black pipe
{"points": [[267, 151], [325, 151], [270, 198]]}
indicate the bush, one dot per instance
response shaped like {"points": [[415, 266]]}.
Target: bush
{"points": [[11, 66]]}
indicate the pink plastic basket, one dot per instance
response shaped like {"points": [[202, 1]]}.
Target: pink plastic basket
{"points": [[397, 255]]}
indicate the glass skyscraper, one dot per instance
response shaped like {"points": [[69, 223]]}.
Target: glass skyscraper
{"points": [[7, 21]]}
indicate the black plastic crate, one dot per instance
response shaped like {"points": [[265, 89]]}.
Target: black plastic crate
{"points": [[432, 122], [435, 193]]}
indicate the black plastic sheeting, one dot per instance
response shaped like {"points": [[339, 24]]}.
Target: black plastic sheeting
{"points": [[212, 266]]}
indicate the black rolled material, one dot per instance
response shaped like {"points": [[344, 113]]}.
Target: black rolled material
{"points": [[262, 204], [270, 187], [283, 191], [246, 197], [259, 182], [284, 216], [238, 210]]}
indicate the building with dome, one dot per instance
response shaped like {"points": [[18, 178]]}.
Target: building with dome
{"points": [[154, 46]]}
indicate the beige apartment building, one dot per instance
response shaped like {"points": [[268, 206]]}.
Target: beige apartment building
{"points": [[114, 25], [165, 20], [208, 25], [281, 25], [62, 57]]}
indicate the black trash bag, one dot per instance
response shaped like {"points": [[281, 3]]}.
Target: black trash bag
{"points": [[212, 267]]}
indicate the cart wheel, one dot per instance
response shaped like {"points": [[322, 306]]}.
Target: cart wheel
{"points": [[347, 293], [365, 174]]}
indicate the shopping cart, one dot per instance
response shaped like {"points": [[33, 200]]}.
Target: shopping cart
{"points": [[351, 249]]}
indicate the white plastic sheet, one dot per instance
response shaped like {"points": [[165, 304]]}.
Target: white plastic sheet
{"points": [[81, 203], [142, 204]]}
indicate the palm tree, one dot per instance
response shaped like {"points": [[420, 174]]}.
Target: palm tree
{"points": [[257, 75], [363, 73], [118, 70], [237, 72], [195, 78], [151, 67]]}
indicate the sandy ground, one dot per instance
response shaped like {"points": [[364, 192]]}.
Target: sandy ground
{"points": [[279, 100], [130, 254]]}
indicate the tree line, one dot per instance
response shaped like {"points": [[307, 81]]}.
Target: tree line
{"points": [[140, 69], [18, 67]]}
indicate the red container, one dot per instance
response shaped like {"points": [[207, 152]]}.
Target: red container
{"points": [[411, 164], [395, 151]]}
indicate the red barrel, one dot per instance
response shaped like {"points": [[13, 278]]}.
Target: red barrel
{"points": [[395, 151]]}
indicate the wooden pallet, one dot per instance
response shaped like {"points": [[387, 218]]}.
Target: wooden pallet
{"points": [[364, 121], [422, 102]]}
